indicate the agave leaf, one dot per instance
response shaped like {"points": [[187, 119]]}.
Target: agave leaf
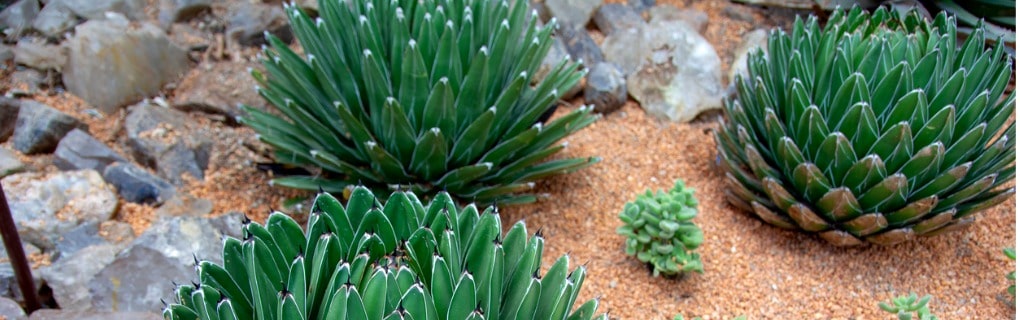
{"points": [[780, 197], [397, 131], [773, 218], [413, 82], [864, 174], [807, 219], [866, 224], [891, 192], [839, 204], [938, 128], [925, 226], [430, 153], [439, 109], [840, 238], [892, 237], [472, 142], [471, 101], [836, 155]]}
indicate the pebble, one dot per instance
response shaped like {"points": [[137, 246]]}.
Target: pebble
{"points": [[137, 185], [39, 55], [159, 138], [696, 19], [606, 88], [18, 17], [581, 46], [11, 310], [572, 13], [612, 17], [79, 150], [248, 21], [54, 19], [40, 127], [9, 287], [9, 108], [9, 163], [97, 9], [182, 10]]}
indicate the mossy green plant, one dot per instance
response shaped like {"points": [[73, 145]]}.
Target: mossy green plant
{"points": [[660, 232]]}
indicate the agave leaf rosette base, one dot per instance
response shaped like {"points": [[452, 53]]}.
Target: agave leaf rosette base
{"points": [[421, 95], [398, 260], [873, 129]]}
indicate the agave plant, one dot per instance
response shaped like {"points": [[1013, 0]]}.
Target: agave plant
{"points": [[422, 95], [660, 233], [996, 17], [874, 129], [401, 260]]}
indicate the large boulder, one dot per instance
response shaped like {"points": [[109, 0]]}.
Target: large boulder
{"points": [[115, 62]]}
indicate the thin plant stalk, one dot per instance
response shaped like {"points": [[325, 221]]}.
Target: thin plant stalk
{"points": [[16, 254]]}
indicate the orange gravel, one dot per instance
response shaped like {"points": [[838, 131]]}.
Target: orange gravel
{"points": [[751, 268]]}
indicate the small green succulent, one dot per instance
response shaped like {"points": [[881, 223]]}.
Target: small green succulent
{"points": [[1011, 254], [420, 95], [873, 129], [659, 230], [904, 306], [398, 260]]}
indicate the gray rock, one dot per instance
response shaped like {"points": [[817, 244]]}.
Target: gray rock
{"points": [[641, 6], [29, 81], [18, 17], [113, 62], [185, 205], [181, 10], [9, 163], [160, 139], [218, 90], [696, 19], [137, 185], [54, 19], [69, 276], [626, 48], [9, 108], [677, 76], [40, 127], [46, 205], [39, 55], [581, 46], [60, 314], [750, 41], [116, 232], [572, 13], [11, 310], [606, 89], [82, 236], [78, 150], [611, 17], [97, 9], [229, 224], [248, 21], [9, 287], [143, 274], [6, 53]]}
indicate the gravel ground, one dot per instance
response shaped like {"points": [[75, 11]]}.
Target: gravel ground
{"points": [[751, 268]]}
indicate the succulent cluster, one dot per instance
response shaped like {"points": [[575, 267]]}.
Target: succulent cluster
{"points": [[660, 233], [420, 95], [905, 307], [874, 128], [401, 260]]}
